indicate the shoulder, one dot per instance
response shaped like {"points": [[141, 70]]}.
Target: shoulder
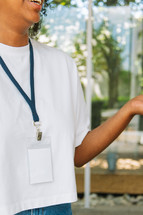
{"points": [[54, 53]]}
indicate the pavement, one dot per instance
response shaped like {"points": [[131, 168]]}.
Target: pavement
{"points": [[109, 210]]}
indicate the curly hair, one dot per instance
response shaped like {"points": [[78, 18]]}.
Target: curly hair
{"points": [[33, 31], [47, 3]]}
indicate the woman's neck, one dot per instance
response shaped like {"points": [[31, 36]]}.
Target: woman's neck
{"points": [[13, 38]]}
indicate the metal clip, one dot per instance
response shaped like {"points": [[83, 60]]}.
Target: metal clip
{"points": [[38, 133]]}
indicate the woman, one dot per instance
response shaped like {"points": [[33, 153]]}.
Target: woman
{"points": [[41, 84]]}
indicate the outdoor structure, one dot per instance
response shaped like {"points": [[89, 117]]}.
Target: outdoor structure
{"points": [[88, 93]]}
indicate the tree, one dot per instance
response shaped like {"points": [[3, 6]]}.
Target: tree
{"points": [[55, 3], [114, 2], [111, 52], [106, 57]]}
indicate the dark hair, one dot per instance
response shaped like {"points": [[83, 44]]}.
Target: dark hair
{"points": [[33, 31]]}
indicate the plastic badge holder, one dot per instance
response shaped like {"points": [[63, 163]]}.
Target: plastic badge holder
{"points": [[40, 160]]}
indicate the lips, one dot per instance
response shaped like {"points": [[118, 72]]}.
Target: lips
{"points": [[38, 2]]}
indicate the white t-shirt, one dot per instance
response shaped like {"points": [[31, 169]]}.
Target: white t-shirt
{"points": [[62, 111]]}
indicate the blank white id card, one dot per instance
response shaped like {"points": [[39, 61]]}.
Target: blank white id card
{"points": [[40, 160]]}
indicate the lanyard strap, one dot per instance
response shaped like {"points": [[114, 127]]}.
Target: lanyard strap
{"points": [[31, 102]]}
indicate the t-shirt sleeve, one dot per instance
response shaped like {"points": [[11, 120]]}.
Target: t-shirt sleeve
{"points": [[82, 117]]}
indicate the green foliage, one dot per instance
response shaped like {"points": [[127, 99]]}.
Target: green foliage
{"points": [[124, 83], [141, 84], [96, 113], [106, 57], [34, 29], [55, 3], [68, 3], [109, 58], [80, 51], [99, 105], [113, 2], [108, 47], [44, 32]]}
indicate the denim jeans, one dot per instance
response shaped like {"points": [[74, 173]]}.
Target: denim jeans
{"points": [[62, 209]]}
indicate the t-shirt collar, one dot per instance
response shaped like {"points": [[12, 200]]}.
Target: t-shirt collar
{"points": [[10, 50]]}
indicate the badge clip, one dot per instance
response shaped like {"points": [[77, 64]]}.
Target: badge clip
{"points": [[38, 131]]}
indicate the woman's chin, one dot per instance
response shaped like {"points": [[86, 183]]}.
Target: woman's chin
{"points": [[32, 20], [36, 19]]}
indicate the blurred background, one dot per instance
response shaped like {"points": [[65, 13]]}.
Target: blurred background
{"points": [[115, 177]]}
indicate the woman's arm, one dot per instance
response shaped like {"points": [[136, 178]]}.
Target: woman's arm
{"points": [[101, 137]]}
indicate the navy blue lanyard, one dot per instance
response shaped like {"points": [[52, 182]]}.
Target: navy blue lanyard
{"points": [[31, 102]]}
